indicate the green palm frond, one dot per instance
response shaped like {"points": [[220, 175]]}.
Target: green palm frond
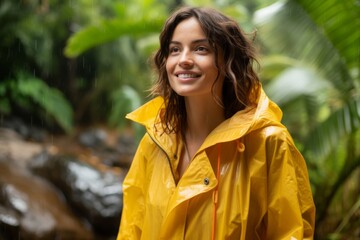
{"points": [[109, 30], [135, 19], [340, 23], [306, 30], [324, 36], [326, 135]]}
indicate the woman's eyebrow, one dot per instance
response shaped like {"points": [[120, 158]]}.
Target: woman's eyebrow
{"points": [[193, 42]]}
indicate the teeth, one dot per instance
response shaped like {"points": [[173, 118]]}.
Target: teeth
{"points": [[187, 75]]}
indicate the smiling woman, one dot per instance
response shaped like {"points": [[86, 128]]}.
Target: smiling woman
{"points": [[193, 74], [215, 163]]}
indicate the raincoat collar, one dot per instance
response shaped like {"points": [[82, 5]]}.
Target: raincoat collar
{"points": [[263, 113]]}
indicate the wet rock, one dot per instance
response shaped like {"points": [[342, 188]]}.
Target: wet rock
{"points": [[113, 151], [94, 138], [10, 223], [126, 148], [31, 208], [13, 146], [93, 193], [27, 131]]}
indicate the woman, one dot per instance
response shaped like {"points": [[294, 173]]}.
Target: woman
{"points": [[215, 163]]}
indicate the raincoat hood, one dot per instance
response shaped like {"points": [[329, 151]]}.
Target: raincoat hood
{"points": [[246, 181]]}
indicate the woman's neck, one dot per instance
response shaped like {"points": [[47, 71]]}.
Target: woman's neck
{"points": [[203, 116]]}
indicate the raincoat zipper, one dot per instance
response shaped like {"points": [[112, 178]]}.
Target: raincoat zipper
{"points": [[167, 156]]}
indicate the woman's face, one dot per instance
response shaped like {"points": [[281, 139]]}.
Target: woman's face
{"points": [[191, 65]]}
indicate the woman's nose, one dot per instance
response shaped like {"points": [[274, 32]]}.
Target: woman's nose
{"points": [[185, 59]]}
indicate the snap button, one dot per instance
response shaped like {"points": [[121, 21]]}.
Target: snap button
{"points": [[240, 146], [206, 181]]}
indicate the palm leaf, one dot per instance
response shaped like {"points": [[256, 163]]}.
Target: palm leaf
{"points": [[327, 134], [109, 30], [135, 18], [340, 22], [314, 32], [306, 30]]}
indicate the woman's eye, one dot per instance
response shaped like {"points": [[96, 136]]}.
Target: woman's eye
{"points": [[174, 50], [202, 49]]}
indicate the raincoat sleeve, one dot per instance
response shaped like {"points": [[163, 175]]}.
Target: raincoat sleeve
{"points": [[291, 210], [133, 197]]}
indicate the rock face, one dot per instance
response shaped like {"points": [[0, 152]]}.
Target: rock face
{"points": [[94, 194], [64, 195], [30, 208]]}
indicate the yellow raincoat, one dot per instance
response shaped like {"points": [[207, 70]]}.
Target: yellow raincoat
{"points": [[263, 191]]}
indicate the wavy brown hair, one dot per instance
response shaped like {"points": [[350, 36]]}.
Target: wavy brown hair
{"points": [[238, 57]]}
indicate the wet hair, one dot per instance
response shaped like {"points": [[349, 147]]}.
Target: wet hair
{"points": [[230, 44]]}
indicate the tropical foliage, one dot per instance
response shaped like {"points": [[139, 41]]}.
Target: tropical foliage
{"points": [[31, 94]]}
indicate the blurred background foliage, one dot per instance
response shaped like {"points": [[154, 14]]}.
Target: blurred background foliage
{"points": [[65, 64]]}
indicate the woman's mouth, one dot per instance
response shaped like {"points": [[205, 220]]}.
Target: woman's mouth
{"points": [[187, 75]]}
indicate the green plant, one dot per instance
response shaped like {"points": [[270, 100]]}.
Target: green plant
{"points": [[33, 95], [135, 19]]}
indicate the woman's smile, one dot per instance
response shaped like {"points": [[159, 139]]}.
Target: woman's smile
{"points": [[187, 76]]}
